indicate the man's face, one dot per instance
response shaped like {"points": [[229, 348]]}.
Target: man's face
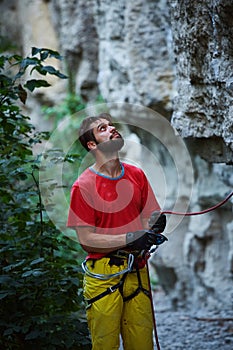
{"points": [[107, 137]]}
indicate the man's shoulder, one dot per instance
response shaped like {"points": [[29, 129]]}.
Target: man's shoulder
{"points": [[84, 178], [132, 168], [134, 173]]}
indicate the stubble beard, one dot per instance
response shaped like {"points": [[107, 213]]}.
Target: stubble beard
{"points": [[111, 146]]}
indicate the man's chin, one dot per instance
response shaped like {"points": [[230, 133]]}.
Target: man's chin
{"points": [[113, 145]]}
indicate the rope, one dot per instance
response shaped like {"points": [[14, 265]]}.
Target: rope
{"points": [[152, 307], [106, 277], [198, 212]]}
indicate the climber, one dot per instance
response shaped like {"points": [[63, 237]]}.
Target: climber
{"points": [[111, 204]]}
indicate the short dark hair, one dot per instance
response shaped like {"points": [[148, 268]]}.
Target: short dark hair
{"points": [[86, 132]]}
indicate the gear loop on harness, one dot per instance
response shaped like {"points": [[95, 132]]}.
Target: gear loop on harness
{"points": [[105, 277]]}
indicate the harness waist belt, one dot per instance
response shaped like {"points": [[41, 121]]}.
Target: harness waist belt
{"points": [[118, 258]]}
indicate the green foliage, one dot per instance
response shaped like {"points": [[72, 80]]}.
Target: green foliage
{"points": [[66, 118], [71, 105], [41, 282], [70, 113]]}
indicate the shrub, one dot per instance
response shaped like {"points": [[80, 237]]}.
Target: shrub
{"points": [[41, 283]]}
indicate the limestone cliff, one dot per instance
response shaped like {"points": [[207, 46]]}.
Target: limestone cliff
{"points": [[203, 46]]}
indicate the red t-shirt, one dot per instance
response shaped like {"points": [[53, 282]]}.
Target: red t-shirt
{"points": [[111, 205]]}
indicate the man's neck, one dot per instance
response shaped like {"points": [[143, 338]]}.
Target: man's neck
{"points": [[109, 166]]}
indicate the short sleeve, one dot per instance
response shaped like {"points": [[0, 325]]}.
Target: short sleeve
{"points": [[81, 213]]}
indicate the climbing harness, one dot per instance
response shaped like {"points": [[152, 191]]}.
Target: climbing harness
{"points": [[109, 290], [135, 262], [139, 288]]}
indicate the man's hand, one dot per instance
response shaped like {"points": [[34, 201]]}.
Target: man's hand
{"points": [[143, 240], [157, 222]]}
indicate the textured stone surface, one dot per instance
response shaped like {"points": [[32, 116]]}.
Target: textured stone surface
{"points": [[78, 42], [198, 256], [135, 58], [203, 46]]}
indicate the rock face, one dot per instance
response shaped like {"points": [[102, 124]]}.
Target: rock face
{"points": [[203, 46], [173, 57], [78, 41], [135, 61]]}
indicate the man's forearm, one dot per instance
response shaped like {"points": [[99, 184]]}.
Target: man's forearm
{"points": [[101, 243]]}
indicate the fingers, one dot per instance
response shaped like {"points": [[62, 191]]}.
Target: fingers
{"points": [[156, 238], [160, 224], [153, 218]]}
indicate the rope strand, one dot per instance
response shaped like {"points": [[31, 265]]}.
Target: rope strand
{"points": [[170, 212]]}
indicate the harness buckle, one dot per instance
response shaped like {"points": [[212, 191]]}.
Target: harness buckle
{"points": [[112, 289]]}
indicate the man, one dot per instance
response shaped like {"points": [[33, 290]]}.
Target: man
{"points": [[111, 203]]}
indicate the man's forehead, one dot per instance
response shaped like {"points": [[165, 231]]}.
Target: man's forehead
{"points": [[99, 121]]}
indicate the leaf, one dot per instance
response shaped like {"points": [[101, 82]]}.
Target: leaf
{"points": [[5, 81], [8, 331], [35, 51], [13, 266], [17, 58], [71, 158], [37, 261], [22, 94], [28, 61], [75, 281], [20, 173], [5, 278], [36, 83], [51, 70], [51, 53], [44, 53], [4, 294], [27, 274], [34, 273], [33, 335], [8, 292]]}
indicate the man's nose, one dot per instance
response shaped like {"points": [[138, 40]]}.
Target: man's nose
{"points": [[112, 128]]}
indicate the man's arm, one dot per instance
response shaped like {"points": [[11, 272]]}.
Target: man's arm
{"points": [[99, 243], [145, 224], [102, 243]]}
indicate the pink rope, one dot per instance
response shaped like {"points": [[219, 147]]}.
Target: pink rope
{"points": [[198, 212]]}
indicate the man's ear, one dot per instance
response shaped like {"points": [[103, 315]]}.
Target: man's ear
{"points": [[91, 145]]}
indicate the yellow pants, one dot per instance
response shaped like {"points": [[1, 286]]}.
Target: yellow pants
{"points": [[109, 316]]}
